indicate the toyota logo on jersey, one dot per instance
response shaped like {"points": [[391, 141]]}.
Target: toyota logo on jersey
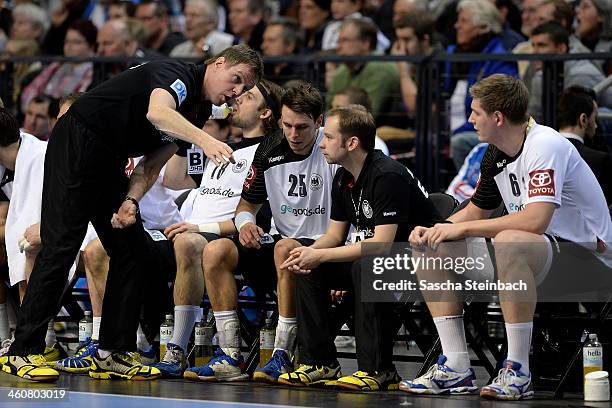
{"points": [[542, 183]]}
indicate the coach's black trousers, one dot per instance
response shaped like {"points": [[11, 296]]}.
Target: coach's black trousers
{"points": [[84, 181], [375, 324]]}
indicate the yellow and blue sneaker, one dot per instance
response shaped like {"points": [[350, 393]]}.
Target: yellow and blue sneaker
{"points": [[33, 367], [54, 353], [511, 384], [309, 375], [374, 381], [123, 366], [280, 363], [81, 361], [220, 368]]}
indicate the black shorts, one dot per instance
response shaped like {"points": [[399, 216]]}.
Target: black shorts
{"points": [[257, 265], [575, 274]]}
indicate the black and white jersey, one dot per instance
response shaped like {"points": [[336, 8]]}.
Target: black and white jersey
{"points": [[298, 187], [219, 193], [549, 169], [385, 192], [116, 109]]}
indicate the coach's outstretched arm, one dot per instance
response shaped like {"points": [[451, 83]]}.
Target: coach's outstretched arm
{"points": [[163, 115]]}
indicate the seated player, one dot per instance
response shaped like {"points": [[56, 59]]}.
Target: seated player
{"points": [[208, 212], [383, 201], [557, 217], [290, 171]]}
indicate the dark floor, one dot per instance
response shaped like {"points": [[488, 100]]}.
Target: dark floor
{"points": [[84, 392]]}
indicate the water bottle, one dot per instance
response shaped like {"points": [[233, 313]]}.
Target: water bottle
{"points": [[220, 112], [85, 327], [592, 355], [166, 330], [266, 342], [204, 332]]}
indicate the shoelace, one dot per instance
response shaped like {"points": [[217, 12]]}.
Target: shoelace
{"points": [[84, 347], [172, 357], [37, 359], [277, 361], [431, 372], [504, 376]]}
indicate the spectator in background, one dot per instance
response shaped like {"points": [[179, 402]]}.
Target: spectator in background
{"points": [[344, 9], [561, 12], [61, 18], [357, 96], [414, 33], [61, 79], [246, 18], [22, 73], [478, 27], [283, 37], [40, 116], [203, 38], [30, 22], [313, 18], [379, 79], [218, 128], [529, 16], [552, 38], [402, 8], [577, 121], [121, 10], [120, 38], [153, 15], [594, 18], [510, 38], [529, 20]]}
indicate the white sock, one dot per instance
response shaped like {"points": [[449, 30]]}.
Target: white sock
{"points": [[50, 338], [286, 334], [228, 328], [104, 353], [5, 330], [519, 343], [452, 336], [141, 340], [95, 333], [185, 317]]}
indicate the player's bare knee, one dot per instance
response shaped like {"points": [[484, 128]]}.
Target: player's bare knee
{"points": [[283, 247], [188, 246], [215, 254], [94, 255]]}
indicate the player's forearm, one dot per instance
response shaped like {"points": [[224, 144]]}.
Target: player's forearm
{"points": [[175, 176], [227, 228], [174, 124], [489, 228], [147, 171], [327, 241], [347, 253]]}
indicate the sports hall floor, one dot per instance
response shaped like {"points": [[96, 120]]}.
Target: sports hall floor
{"points": [[84, 392]]}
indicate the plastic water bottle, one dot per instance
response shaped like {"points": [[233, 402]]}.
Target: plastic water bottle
{"points": [[220, 111], [592, 355], [266, 342], [204, 332], [166, 330], [85, 327]]}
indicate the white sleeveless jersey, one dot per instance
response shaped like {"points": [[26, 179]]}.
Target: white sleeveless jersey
{"points": [[298, 187], [550, 169], [219, 193]]}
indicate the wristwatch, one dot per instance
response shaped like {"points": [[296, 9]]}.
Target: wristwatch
{"points": [[134, 201]]}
